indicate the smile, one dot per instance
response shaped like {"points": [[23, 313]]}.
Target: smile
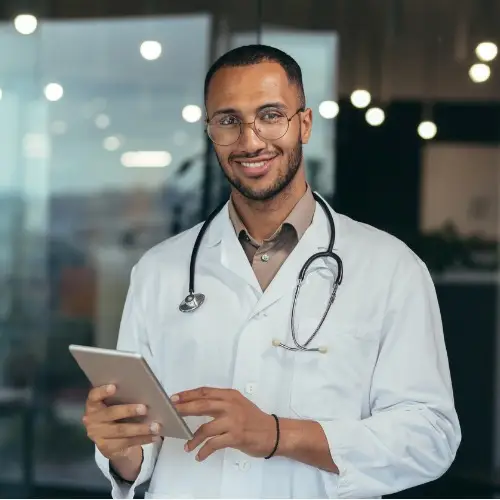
{"points": [[254, 164], [257, 167]]}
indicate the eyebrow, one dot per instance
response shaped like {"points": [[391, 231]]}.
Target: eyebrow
{"points": [[233, 111]]}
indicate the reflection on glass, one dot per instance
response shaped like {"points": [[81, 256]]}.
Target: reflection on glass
{"points": [[92, 141]]}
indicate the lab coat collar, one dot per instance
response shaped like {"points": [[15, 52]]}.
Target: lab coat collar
{"points": [[222, 224], [216, 230], [233, 257]]}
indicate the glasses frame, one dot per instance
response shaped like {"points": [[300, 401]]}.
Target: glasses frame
{"points": [[252, 124]]}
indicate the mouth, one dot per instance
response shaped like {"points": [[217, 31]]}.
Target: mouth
{"points": [[256, 167]]}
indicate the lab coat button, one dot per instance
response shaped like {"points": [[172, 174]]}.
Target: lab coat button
{"points": [[250, 388]]}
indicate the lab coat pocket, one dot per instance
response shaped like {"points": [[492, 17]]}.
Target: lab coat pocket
{"points": [[334, 384]]}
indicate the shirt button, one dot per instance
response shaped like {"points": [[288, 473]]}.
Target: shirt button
{"points": [[264, 258], [251, 388]]}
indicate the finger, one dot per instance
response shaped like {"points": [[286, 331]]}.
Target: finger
{"points": [[205, 431], [208, 408], [212, 445], [97, 396], [114, 431], [200, 393], [116, 412]]}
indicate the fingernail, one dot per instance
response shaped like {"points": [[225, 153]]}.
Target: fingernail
{"points": [[197, 458], [186, 448], [110, 389], [157, 439], [155, 427], [141, 410], [174, 398]]}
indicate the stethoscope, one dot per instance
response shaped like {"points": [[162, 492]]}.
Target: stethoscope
{"points": [[195, 300]]}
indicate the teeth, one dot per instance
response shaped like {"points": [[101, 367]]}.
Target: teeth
{"points": [[254, 164]]}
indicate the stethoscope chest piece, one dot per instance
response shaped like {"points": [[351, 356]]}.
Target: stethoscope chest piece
{"points": [[192, 302]]}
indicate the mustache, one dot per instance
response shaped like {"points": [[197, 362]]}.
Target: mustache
{"points": [[249, 156]]}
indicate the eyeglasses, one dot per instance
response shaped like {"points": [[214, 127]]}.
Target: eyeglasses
{"points": [[269, 124]]}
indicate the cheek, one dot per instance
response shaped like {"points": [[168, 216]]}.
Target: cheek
{"points": [[223, 155], [286, 146]]}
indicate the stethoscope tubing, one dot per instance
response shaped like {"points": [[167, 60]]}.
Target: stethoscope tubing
{"points": [[194, 300]]}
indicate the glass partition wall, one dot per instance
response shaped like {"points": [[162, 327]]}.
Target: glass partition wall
{"points": [[103, 154]]}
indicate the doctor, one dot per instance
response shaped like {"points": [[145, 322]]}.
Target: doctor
{"points": [[340, 391]]}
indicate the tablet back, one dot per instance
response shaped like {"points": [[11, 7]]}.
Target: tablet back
{"points": [[135, 383]]}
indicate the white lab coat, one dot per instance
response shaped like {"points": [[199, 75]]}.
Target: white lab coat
{"points": [[382, 392]]}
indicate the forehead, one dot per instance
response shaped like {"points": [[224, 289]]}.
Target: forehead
{"points": [[247, 87]]}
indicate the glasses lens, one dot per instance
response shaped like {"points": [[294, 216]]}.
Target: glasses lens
{"points": [[224, 130], [271, 124]]}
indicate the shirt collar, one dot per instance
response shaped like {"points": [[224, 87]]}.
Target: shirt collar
{"points": [[299, 219]]}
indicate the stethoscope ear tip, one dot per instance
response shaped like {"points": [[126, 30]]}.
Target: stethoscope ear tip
{"points": [[323, 349], [276, 343]]}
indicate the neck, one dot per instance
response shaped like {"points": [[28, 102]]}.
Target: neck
{"points": [[263, 218]]}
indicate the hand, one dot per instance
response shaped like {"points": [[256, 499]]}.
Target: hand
{"points": [[114, 439], [237, 422]]}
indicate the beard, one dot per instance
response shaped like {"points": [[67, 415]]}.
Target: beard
{"points": [[281, 183]]}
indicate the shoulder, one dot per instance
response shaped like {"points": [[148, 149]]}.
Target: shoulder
{"points": [[167, 255], [379, 249]]}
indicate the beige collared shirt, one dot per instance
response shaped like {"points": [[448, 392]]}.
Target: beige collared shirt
{"points": [[267, 258]]}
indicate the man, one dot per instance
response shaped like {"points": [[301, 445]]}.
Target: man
{"points": [[370, 414]]}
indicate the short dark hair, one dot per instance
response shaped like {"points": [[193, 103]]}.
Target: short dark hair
{"points": [[248, 55]]}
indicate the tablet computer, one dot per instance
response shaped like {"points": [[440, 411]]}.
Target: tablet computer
{"points": [[135, 384]]}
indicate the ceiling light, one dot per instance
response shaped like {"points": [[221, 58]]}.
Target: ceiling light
{"points": [[25, 24], [479, 72], [102, 121], [150, 50], [486, 51], [152, 159], [427, 130], [328, 109], [375, 117], [361, 98], [191, 113], [53, 91], [111, 143]]}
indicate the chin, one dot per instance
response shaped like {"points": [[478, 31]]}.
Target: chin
{"points": [[259, 192]]}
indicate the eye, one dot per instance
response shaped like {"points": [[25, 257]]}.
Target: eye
{"points": [[227, 121], [271, 116]]}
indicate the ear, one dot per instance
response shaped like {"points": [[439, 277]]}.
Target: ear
{"points": [[306, 119]]}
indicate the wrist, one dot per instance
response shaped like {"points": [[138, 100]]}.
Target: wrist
{"points": [[128, 467], [290, 435], [304, 441], [276, 427]]}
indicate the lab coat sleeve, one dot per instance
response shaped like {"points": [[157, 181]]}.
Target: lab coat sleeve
{"points": [[132, 337], [412, 434]]}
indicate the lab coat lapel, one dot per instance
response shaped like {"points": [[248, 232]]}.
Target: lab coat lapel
{"points": [[233, 256]]}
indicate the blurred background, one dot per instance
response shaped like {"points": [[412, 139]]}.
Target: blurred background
{"points": [[103, 154]]}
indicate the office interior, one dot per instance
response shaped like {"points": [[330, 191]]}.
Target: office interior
{"points": [[103, 154]]}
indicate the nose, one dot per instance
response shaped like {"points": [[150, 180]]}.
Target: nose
{"points": [[249, 140]]}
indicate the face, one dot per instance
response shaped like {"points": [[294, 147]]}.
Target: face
{"points": [[257, 167]]}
